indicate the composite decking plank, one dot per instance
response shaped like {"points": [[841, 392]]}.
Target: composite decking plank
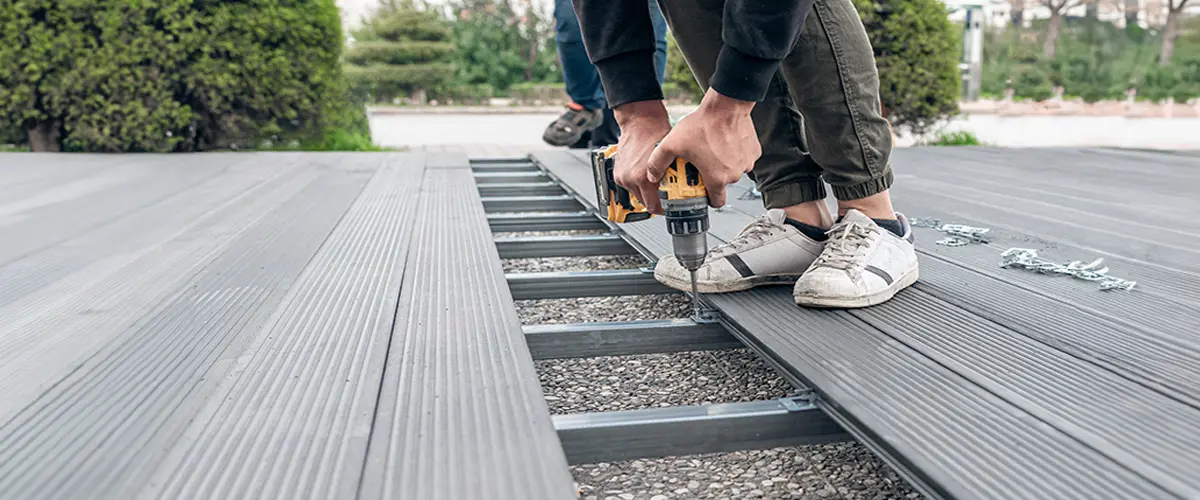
{"points": [[294, 418], [1078, 230], [100, 430], [461, 413], [65, 211], [54, 328], [91, 254], [1168, 362], [950, 429], [1173, 297]]}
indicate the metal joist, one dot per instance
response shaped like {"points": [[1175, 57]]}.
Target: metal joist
{"points": [[510, 177], [689, 430], [625, 338], [563, 285], [513, 204], [491, 160], [521, 189], [563, 246], [568, 221], [504, 168]]}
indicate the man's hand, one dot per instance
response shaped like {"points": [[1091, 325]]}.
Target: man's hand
{"points": [[718, 138], [643, 124]]}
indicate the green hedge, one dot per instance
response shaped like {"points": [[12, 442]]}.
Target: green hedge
{"points": [[917, 52], [397, 52], [170, 75]]}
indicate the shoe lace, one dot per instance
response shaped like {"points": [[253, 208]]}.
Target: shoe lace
{"points": [[755, 231], [847, 241]]}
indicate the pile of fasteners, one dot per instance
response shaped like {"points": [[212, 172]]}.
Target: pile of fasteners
{"points": [[958, 234], [1026, 258]]}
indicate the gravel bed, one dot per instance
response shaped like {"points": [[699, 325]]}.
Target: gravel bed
{"points": [[549, 264], [834, 471], [621, 308], [652, 380], [837, 471]]}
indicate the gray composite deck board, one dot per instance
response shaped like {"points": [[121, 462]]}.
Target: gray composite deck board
{"points": [[461, 413], [295, 417], [219, 326], [985, 382]]}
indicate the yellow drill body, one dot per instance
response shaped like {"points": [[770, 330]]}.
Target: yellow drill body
{"points": [[684, 201]]}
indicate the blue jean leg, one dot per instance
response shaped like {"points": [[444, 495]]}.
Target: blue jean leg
{"points": [[580, 76]]}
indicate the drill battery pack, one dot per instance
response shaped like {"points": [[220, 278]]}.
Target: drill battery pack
{"points": [[619, 204]]}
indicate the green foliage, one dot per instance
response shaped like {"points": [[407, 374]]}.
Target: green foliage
{"points": [[168, 75], [411, 52], [498, 47], [679, 81], [399, 52], [1096, 61], [955, 138], [917, 53]]}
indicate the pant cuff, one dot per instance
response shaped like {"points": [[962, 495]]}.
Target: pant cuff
{"points": [[794, 193], [865, 189]]}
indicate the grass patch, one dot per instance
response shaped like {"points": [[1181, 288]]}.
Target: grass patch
{"points": [[9, 148], [955, 138]]}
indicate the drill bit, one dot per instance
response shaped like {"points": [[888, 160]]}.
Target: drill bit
{"points": [[695, 297]]}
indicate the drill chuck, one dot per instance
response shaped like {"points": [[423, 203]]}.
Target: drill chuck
{"points": [[687, 223]]}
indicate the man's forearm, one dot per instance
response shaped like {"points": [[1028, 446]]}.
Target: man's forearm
{"points": [[757, 35], [619, 39]]}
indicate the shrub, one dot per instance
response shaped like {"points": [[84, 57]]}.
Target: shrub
{"points": [[400, 52], [170, 75], [917, 53]]}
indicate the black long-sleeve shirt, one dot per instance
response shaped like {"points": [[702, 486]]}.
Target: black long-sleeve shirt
{"points": [[756, 36]]}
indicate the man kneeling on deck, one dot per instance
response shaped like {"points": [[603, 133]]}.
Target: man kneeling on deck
{"points": [[761, 73]]}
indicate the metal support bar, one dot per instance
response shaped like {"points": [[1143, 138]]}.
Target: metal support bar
{"points": [[586, 340], [484, 160], [512, 204], [689, 430], [510, 177], [521, 189], [572, 221], [563, 285], [505, 168], [563, 246]]}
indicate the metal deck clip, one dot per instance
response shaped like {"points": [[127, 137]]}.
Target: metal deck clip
{"points": [[803, 401]]}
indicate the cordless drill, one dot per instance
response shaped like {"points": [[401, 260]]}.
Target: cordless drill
{"points": [[684, 201]]}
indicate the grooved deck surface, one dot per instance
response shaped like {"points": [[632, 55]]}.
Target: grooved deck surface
{"points": [[261, 326], [983, 382]]}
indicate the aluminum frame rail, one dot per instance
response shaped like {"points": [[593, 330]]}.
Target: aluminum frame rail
{"points": [[611, 436]]}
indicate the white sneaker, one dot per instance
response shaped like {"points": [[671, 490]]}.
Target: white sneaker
{"points": [[768, 251], [862, 265]]}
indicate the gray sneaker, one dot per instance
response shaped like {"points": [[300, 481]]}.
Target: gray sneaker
{"points": [[567, 129], [768, 251]]}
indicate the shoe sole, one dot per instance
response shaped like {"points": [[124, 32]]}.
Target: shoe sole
{"points": [[876, 298], [685, 285], [573, 138]]}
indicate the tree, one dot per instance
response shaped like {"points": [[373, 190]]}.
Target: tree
{"points": [[917, 53], [169, 75], [498, 47], [1171, 31], [399, 52], [1057, 9]]}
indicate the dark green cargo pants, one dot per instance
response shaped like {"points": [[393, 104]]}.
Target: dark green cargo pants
{"points": [[824, 100]]}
